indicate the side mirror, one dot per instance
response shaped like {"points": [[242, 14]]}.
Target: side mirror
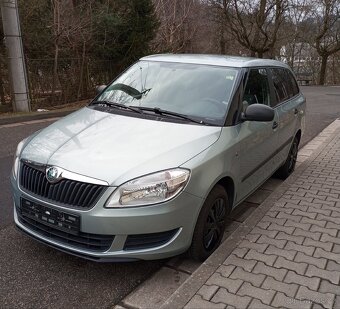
{"points": [[258, 112], [100, 88]]}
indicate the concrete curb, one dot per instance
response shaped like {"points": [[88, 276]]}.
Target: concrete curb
{"points": [[34, 116], [190, 287]]}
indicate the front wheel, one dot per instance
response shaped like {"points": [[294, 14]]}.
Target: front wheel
{"points": [[210, 224], [288, 167]]}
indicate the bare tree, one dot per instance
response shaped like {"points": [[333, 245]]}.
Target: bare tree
{"points": [[254, 24], [327, 34], [177, 24]]}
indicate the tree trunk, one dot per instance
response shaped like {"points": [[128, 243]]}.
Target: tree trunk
{"points": [[55, 71], [81, 78], [2, 93], [323, 69]]}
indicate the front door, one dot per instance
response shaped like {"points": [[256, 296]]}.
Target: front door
{"points": [[257, 141]]}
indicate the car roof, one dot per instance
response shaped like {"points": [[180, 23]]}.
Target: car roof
{"points": [[219, 60]]}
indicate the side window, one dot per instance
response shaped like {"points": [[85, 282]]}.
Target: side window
{"points": [[257, 88], [292, 79], [281, 87]]}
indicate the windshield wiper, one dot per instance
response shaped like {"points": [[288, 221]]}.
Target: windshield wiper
{"points": [[117, 105], [159, 111]]}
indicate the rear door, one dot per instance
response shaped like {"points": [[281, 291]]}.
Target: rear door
{"points": [[288, 105]]}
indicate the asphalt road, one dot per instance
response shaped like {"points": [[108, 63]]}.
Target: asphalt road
{"points": [[33, 275]]}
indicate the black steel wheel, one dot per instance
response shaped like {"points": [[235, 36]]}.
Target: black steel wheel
{"points": [[210, 224], [288, 167]]}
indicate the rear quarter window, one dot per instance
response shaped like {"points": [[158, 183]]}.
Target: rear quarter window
{"points": [[285, 86]]}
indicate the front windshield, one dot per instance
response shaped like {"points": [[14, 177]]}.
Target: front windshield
{"points": [[199, 91]]}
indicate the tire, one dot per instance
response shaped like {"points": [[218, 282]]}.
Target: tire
{"points": [[210, 224], [288, 167]]}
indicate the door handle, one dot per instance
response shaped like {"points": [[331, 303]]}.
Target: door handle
{"points": [[296, 111], [275, 124]]}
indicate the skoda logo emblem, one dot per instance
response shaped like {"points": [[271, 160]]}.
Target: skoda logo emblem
{"points": [[52, 174]]}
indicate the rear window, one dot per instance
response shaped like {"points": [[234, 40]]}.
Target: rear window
{"points": [[285, 85]]}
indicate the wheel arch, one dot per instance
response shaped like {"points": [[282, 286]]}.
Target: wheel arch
{"points": [[228, 184]]}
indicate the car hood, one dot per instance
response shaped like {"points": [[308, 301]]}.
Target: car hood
{"points": [[116, 148]]}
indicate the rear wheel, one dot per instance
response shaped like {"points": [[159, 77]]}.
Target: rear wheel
{"points": [[210, 224], [288, 167]]}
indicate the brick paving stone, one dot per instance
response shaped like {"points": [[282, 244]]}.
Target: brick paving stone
{"points": [[240, 252], [336, 248], [305, 249], [261, 268], [272, 213], [316, 221], [271, 241], [327, 287], [284, 209], [314, 243], [331, 225], [232, 285], [308, 214], [326, 300], [288, 289], [331, 265], [313, 235], [226, 270], [251, 245], [265, 295], [207, 291], [261, 231], [279, 228], [279, 221], [252, 237], [328, 238], [263, 225], [325, 212], [299, 268], [297, 239], [320, 253], [312, 283], [197, 302], [247, 265], [285, 216], [332, 276], [223, 295], [283, 301], [330, 231], [299, 225], [335, 214], [330, 208], [321, 217], [254, 279], [318, 262], [288, 254], [254, 255], [257, 304]]}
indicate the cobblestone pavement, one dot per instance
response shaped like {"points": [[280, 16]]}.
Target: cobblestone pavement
{"points": [[291, 258]]}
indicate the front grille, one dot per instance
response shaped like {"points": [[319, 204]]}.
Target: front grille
{"points": [[91, 242], [147, 241], [66, 192]]}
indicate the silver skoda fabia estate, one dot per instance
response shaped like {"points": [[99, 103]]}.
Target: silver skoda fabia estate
{"points": [[152, 167]]}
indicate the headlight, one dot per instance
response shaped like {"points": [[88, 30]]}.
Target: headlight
{"points": [[151, 189], [16, 158]]}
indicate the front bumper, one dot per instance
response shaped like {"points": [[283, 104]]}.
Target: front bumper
{"points": [[177, 215]]}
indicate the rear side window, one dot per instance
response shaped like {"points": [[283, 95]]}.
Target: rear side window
{"points": [[285, 85], [292, 79]]}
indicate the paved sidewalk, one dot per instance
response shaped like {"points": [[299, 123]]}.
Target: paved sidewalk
{"points": [[291, 258]]}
